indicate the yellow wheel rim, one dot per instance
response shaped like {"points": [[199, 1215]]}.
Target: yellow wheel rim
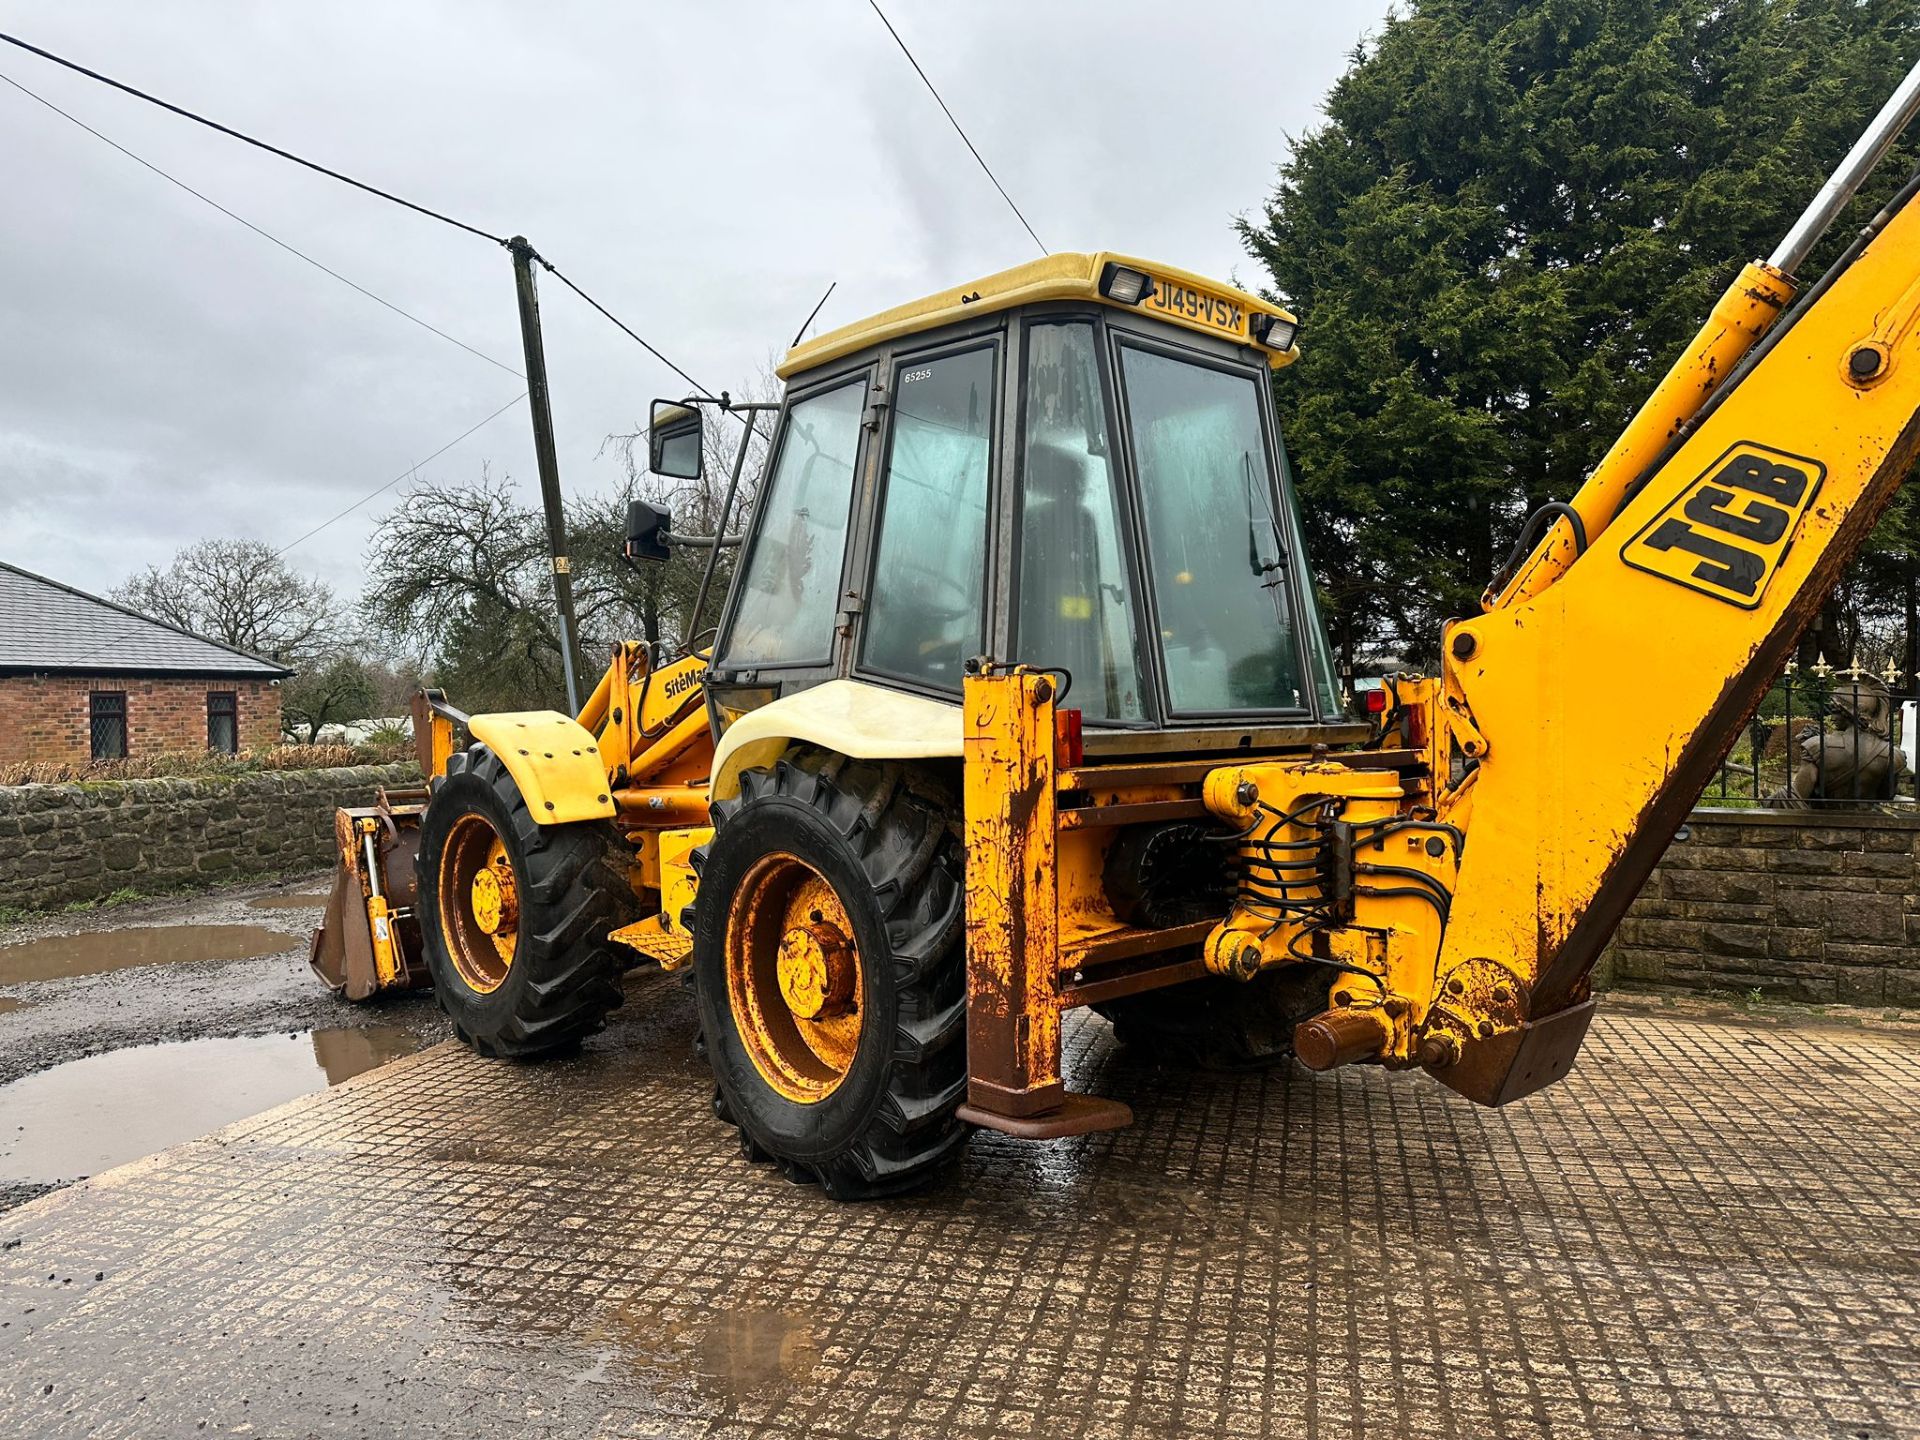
{"points": [[794, 978], [479, 902]]}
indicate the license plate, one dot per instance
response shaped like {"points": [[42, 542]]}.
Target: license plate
{"points": [[1191, 304]]}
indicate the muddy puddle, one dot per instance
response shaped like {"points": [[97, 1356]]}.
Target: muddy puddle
{"points": [[91, 1114], [305, 900], [8, 1006], [98, 952], [735, 1355], [745, 1352]]}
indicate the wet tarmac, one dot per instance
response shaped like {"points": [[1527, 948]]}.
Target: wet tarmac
{"points": [[1710, 1229], [88, 1115], [100, 952]]}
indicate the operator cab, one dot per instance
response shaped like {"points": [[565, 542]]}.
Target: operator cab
{"points": [[1073, 464]]}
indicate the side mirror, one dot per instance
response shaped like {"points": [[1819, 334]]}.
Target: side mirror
{"points": [[673, 441], [647, 531]]}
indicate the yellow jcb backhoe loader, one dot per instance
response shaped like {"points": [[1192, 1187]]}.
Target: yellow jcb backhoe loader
{"points": [[1019, 702]]}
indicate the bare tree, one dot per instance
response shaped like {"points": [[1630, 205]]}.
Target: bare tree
{"points": [[241, 593], [461, 570]]}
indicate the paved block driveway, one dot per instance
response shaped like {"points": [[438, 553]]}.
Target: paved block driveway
{"points": [[1711, 1229]]}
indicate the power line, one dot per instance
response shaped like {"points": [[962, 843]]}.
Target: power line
{"points": [[263, 234], [956, 125], [344, 179], [411, 469], [632, 334], [227, 130], [375, 190]]}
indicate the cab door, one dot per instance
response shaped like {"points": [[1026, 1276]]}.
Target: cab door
{"points": [[925, 597]]}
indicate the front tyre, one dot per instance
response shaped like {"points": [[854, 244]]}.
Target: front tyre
{"points": [[830, 972], [515, 916]]}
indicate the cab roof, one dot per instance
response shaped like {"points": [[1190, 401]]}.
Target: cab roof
{"points": [[1179, 297]]}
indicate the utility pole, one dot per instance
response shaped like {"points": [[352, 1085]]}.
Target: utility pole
{"points": [[539, 403]]}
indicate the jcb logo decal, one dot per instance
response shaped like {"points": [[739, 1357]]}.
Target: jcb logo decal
{"points": [[1727, 532]]}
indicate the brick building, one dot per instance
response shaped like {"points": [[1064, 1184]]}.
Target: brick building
{"points": [[83, 678]]}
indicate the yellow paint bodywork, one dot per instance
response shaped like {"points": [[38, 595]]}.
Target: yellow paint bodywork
{"points": [[1185, 299], [661, 935], [387, 966], [554, 760]]}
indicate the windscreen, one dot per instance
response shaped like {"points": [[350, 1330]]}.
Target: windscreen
{"points": [[1221, 553]]}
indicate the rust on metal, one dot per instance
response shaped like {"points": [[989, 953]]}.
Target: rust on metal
{"points": [[1096, 989], [1126, 944], [1074, 1115], [1511, 1064], [1012, 925], [1135, 813], [794, 982], [1342, 1037], [347, 951]]}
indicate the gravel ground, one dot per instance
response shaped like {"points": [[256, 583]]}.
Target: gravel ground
{"points": [[65, 1019]]}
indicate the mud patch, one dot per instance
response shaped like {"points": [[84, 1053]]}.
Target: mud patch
{"points": [[90, 1115], [100, 952], [316, 900], [8, 1006], [745, 1352]]}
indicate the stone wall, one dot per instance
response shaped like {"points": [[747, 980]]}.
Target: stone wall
{"points": [[62, 843], [45, 717], [1808, 906]]}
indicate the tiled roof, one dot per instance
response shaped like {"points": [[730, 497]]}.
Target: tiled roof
{"points": [[47, 627]]}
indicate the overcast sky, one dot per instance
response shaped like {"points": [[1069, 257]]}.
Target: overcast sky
{"points": [[703, 169]]}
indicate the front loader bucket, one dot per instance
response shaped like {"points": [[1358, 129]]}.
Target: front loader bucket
{"points": [[368, 942]]}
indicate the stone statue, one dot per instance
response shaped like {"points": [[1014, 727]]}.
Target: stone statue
{"points": [[1855, 762]]}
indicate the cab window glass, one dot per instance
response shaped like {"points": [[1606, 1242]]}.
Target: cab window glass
{"points": [[929, 579], [791, 581], [1221, 553], [1075, 599]]}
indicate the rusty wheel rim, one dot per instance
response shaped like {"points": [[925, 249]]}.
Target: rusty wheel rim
{"points": [[479, 901], [794, 978]]}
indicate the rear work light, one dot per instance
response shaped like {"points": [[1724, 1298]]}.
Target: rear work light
{"points": [[1276, 332], [1068, 748], [1124, 285], [1373, 696]]}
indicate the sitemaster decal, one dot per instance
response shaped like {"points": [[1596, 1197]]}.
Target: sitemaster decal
{"points": [[1727, 532]]}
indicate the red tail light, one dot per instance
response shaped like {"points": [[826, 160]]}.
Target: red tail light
{"points": [[1068, 750], [1375, 701]]}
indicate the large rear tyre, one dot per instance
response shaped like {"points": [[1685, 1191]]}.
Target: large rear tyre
{"points": [[515, 916], [830, 972]]}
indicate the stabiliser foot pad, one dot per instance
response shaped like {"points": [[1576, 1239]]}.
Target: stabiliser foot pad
{"points": [[1075, 1115]]}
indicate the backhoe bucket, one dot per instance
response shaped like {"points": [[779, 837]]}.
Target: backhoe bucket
{"points": [[369, 941]]}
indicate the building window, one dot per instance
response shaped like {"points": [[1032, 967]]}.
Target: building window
{"points": [[107, 720], [223, 721]]}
